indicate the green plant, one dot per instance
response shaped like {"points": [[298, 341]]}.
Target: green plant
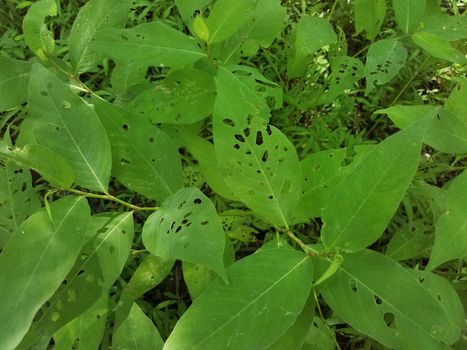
{"points": [[149, 133]]}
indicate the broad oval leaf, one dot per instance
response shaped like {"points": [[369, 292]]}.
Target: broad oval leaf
{"points": [[63, 122], [14, 80], [438, 47], [18, 199], [187, 227], [266, 292], [148, 44], [451, 228], [364, 202], [369, 16], [145, 159], [409, 13], [36, 34], [40, 242], [415, 315], [384, 60], [94, 16]]}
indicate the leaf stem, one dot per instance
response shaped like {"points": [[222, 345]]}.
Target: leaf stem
{"points": [[308, 250], [110, 198]]}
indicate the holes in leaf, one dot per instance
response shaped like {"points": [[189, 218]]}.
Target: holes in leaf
{"points": [[271, 197], [80, 272], [44, 93], [236, 146], [125, 127], [57, 129], [124, 161], [239, 138], [389, 319], [181, 205], [265, 156], [378, 300], [197, 201], [151, 139], [178, 229], [353, 286], [269, 130], [259, 138], [229, 122], [23, 187], [204, 223], [246, 131]]}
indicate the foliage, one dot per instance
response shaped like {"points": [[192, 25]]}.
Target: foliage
{"points": [[233, 174]]}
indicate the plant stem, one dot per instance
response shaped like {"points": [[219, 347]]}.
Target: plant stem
{"points": [[110, 198], [308, 250]]}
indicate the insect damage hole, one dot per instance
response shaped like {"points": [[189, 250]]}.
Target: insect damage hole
{"points": [[259, 138]]}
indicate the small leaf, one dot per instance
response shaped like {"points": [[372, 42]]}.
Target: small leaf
{"points": [[64, 123], [451, 228], [28, 285], [267, 292], [373, 189], [384, 60], [311, 34], [187, 227], [184, 97], [14, 80], [39, 39], [50, 165], [18, 199], [409, 14], [94, 16], [200, 28], [190, 8], [145, 159], [135, 330], [87, 329], [226, 17], [369, 16], [438, 47], [363, 294], [148, 44]]}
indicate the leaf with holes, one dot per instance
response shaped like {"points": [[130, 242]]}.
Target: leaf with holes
{"points": [[266, 292], [41, 241], [63, 122], [18, 199], [36, 34], [346, 71], [52, 167], [438, 47], [187, 227], [99, 265], [369, 16], [184, 97], [134, 330], [125, 75], [311, 34], [148, 44], [86, 331], [145, 159], [384, 60], [378, 297], [226, 17], [14, 80], [451, 228], [261, 165], [94, 16], [373, 189], [409, 14], [190, 8]]}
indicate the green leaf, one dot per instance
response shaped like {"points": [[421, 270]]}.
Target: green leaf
{"points": [[346, 71], [320, 336], [136, 331], [260, 165], [267, 292], [412, 240], [319, 171], [373, 189], [94, 16], [200, 28], [197, 278], [152, 271], [18, 199], [404, 116], [148, 44], [36, 34], [190, 8], [187, 227], [86, 331], [184, 97], [438, 47], [311, 34], [145, 159], [50, 165], [448, 27], [44, 241], [98, 267], [294, 337], [381, 299], [409, 14], [451, 228], [64, 123], [369, 16], [226, 17], [127, 74], [14, 80], [384, 60]]}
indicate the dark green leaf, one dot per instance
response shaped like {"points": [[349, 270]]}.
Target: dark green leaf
{"points": [[409, 14], [369, 16]]}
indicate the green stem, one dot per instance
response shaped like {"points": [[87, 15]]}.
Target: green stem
{"points": [[308, 250], [109, 197]]}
